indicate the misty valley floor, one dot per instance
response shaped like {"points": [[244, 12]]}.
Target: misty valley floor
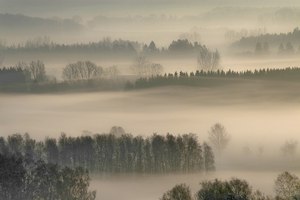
{"points": [[152, 187], [251, 113]]}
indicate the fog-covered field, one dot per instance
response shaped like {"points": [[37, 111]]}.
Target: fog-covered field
{"points": [[152, 187], [260, 106]]}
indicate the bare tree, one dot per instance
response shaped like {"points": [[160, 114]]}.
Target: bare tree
{"points": [[117, 131], [218, 137], [112, 71], [145, 68], [155, 69], [35, 70], [208, 60], [82, 70], [140, 64]]}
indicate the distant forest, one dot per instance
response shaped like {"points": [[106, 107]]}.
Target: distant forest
{"points": [[283, 43], [87, 76], [215, 78], [103, 48], [111, 153]]}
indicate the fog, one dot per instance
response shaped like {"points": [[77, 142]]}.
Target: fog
{"points": [[152, 187], [248, 113], [260, 115]]}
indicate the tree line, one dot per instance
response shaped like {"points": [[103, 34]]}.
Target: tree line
{"points": [[202, 77], [106, 46], [81, 75], [286, 185], [108, 153]]}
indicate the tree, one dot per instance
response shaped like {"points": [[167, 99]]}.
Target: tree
{"points": [[173, 152], [158, 150], [281, 49], [287, 186], [112, 71], [12, 174], [36, 71], [52, 152], [140, 63], [74, 185], [258, 48], [145, 68], [1, 56], [151, 48], [15, 144], [193, 153], [266, 48], [218, 137], [181, 46], [82, 70], [117, 131], [208, 60], [289, 148], [258, 195], [209, 161], [179, 192], [289, 48]]}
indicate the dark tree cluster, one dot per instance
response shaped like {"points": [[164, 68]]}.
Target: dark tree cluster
{"points": [[107, 47], [24, 72], [202, 77], [82, 70], [78, 76], [104, 46], [286, 43], [234, 189], [107, 153], [286, 49], [23, 179], [12, 75]]}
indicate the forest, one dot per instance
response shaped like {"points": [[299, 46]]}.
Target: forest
{"points": [[109, 153], [87, 76], [217, 78], [103, 48], [264, 44], [59, 168]]}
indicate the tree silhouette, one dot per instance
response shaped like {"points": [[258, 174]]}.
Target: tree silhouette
{"points": [[234, 189], [82, 70], [179, 192], [208, 60], [287, 186], [218, 137]]}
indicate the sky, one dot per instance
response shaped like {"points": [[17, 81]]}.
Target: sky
{"points": [[64, 8]]}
